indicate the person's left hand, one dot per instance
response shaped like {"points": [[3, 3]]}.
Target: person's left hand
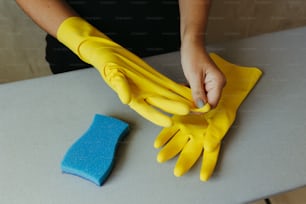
{"points": [[205, 79]]}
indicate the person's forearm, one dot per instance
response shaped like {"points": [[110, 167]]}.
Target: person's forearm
{"points": [[194, 15], [48, 14]]}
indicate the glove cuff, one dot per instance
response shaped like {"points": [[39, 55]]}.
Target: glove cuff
{"points": [[74, 31]]}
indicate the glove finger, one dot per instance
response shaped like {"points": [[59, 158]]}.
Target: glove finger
{"points": [[190, 154], [121, 86], [219, 121], [211, 143], [172, 148], [169, 106], [215, 133], [164, 136], [204, 109], [209, 163], [150, 113]]}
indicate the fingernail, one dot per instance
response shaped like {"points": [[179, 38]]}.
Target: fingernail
{"points": [[200, 103]]}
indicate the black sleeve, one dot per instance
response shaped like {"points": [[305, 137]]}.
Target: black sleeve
{"points": [[146, 28]]}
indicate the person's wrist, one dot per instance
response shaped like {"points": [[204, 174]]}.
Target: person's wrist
{"points": [[194, 46], [192, 39]]}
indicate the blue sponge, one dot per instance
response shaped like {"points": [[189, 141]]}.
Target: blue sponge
{"points": [[92, 155]]}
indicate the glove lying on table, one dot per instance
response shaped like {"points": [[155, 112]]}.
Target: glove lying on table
{"points": [[137, 84], [194, 134]]}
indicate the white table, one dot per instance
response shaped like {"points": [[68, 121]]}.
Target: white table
{"points": [[263, 154]]}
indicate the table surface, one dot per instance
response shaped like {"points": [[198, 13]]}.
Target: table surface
{"points": [[263, 153]]}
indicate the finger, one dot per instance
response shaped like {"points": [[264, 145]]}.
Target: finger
{"points": [[214, 94], [214, 84], [164, 136], [150, 113], [189, 155], [198, 90], [169, 106], [173, 147], [209, 163]]}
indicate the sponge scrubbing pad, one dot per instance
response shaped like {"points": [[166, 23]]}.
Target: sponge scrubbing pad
{"points": [[92, 155]]}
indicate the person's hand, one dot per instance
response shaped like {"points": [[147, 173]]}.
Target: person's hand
{"points": [[205, 79], [196, 134]]}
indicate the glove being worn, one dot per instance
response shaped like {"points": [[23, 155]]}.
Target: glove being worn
{"points": [[192, 135], [137, 84]]}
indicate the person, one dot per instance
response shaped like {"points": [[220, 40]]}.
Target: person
{"points": [[144, 27]]}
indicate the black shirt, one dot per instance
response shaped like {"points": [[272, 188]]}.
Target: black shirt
{"points": [[144, 27]]}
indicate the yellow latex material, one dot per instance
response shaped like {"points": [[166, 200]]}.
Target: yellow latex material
{"points": [[192, 135], [137, 84]]}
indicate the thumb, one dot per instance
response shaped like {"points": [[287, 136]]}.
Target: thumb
{"points": [[121, 86]]}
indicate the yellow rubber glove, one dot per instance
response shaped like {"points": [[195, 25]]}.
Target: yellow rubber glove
{"points": [[192, 135], [137, 84]]}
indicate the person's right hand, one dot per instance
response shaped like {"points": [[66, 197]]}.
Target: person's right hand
{"points": [[201, 134], [204, 77]]}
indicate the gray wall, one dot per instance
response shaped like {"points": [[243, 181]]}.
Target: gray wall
{"points": [[231, 19]]}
